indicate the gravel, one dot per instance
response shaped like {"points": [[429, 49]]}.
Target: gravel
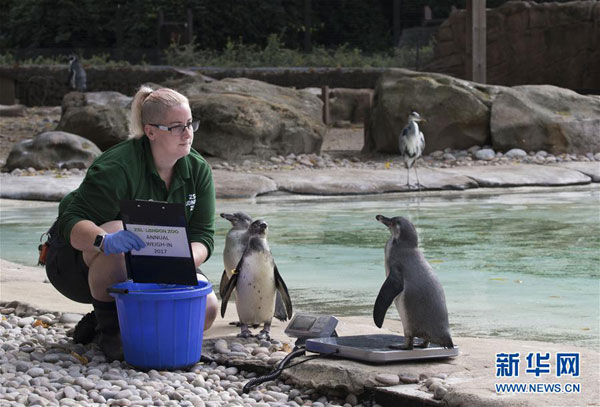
{"points": [[449, 158], [39, 365]]}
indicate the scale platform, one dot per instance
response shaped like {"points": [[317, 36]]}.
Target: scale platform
{"points": [[375, 348]]}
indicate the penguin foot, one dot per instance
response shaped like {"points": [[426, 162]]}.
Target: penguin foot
{"points": [[421, 344], [245, 332], [264, 335]]}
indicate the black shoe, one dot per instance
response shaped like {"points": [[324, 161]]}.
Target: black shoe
{"points": [[111, 346], [85, 331], [108, 334]]}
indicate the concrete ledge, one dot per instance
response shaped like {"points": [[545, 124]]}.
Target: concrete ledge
{"points": [[337, 181]]}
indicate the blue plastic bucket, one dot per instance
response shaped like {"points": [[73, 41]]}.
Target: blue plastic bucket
{"points": [[162, 325]]}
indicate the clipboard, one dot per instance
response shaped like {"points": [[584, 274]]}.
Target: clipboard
{"points": [[167, 257]]}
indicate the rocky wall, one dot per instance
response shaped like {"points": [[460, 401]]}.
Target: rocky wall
{"points": [[529, 43]]}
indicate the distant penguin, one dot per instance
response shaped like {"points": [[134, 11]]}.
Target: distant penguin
{"points": [[256, 281], [77, 77], [412, 285]]}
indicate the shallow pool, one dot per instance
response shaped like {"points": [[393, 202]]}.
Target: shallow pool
{"points": [[522, 265]]}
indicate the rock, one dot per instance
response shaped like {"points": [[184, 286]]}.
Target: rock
{"points": [[544, 117], [352, 399], [485, 154], [101, 117], [553, 44], [457, 112], [12, 110], [349, 105], [241, 117], [229, 184], [407, 379], [515, 152], [53, 149], [221, 346], [69, 318], [388, 379], [522, 175], [439, 392]]}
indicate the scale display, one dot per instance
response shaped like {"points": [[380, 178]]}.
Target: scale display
{"points": [[375, 348], [311, 326]]}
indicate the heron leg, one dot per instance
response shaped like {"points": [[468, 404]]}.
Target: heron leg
{"points": [[408, 177], [417, 174]]}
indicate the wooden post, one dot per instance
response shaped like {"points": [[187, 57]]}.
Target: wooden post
{"points": [[396, 28], [469, 41], [325, 97], [190, 26], [307, 25], [479, 41]]}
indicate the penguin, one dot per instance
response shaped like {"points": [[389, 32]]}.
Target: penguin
{"points": [[77, 77], [414, 288], [256, 281], [235, 244]]}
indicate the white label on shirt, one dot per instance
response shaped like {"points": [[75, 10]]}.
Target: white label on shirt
{"points": [[167, 241]]}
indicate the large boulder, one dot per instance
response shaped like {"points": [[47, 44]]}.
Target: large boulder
{"points": [[528, 43], [457, 111], [547, 118], [53, 149], [243, 117], [349, 105], [101, 117]]}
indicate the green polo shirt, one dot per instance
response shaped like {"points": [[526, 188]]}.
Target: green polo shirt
{"points": [[127, 171]]}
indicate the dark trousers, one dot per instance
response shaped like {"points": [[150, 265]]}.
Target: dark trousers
{"points": [[66, 269]]}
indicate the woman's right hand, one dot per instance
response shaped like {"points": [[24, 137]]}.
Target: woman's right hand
{"points": [[121, 242]]}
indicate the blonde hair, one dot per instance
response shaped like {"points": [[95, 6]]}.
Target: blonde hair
{"points": [[148, 106]]}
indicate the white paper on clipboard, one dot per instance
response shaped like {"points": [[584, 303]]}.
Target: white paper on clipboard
{"points": [[164, 241]]}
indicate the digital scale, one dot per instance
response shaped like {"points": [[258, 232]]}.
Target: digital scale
{"points": [[317, 333]]}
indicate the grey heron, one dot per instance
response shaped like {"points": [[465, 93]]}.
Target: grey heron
{"points": [[411, 144]]}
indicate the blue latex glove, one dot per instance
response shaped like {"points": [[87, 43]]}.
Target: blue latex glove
{"points": [[121, 242]]}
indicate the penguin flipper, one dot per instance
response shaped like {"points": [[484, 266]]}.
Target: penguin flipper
{"points": [[228, 290], [392, 286], [280, 313], [285, 296], [223, 284]]}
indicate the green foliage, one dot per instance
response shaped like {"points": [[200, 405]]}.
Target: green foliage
{"points": [[275, 54]]}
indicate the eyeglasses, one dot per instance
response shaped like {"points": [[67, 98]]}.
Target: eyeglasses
{"points": [[180, 128]]}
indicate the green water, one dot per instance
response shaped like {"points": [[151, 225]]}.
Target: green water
{"points": [[521, 265]]}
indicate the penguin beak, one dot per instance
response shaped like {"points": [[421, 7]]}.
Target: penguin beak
{"points": [[384, 220], [227, 216]]}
